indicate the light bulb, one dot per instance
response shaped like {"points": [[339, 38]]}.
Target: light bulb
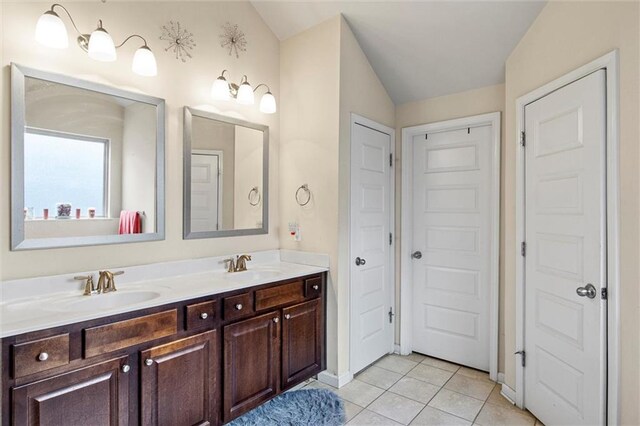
{"points": [[245, 94], [220, 89], [268, 103], [101, 47], [144, 62], [51, 31]]}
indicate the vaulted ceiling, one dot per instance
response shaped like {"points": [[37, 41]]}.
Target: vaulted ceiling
{"points": [[420, 49]]}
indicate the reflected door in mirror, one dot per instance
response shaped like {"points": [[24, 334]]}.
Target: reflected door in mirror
{"points": [[206, 184]]}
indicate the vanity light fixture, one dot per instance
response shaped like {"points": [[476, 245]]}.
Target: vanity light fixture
{"points": [[222, 90], [51, 32]]}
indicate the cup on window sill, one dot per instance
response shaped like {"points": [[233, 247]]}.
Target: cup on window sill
{"points": [[78, 213], [45, 214], [92, 212]]}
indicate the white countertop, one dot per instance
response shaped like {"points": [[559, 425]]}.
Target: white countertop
{"points": [[40, 303]]}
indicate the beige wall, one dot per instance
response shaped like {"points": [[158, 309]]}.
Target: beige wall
{"points": [[310, 73], [565, 36], [179, 83], [325, 77], [464, 104]]}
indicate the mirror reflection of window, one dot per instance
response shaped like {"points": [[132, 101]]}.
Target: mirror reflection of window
{"points": [[65, 168]]}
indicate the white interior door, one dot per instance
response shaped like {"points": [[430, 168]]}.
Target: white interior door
{"points": [[371, 284], [565, 340], [205, 192], [452, 245]]}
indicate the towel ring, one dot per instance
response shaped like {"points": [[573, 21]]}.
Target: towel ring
{"points": [[304, 188], [254, 189]]}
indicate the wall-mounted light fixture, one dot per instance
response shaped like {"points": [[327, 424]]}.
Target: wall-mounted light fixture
{"points": [[51, 32], [222, 90]]}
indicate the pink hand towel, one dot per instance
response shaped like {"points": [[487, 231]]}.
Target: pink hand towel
{"points": [[130, 222]]}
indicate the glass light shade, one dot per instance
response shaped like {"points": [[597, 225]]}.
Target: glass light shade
{"points": [[51, 32], [245, 94], [268, 103], [101, 47], [220, 89], [144, 62]]}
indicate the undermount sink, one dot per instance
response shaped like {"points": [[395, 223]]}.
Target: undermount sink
{"points": [[104, 301], [255, 274]]}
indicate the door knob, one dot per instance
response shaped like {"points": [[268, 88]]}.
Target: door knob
{"points": [[416, 255], [360, 261], [587, 291]]}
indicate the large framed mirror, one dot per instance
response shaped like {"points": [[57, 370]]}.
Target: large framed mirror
{"points": [[87, 162], [226, 172]]}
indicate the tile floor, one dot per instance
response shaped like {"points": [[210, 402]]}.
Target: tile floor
{"points": [[418, 390]]}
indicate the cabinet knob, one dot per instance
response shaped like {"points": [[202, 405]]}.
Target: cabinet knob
{"points": [[276, 319], [239, 306], [287, 316], [204, 315], [148, 362], [43, 356], [316, 287], [125, 368]]}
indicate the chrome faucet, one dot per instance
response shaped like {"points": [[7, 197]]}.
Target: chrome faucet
{"points": [[238, 264]]}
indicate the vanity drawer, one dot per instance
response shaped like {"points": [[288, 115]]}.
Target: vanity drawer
{"points": [[279, 295], [238, 306], [199, 315], [40, 355], [122, 334], [313, 287]]}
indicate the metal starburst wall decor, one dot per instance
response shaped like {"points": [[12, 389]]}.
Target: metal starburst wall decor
{"points": [[181, 41], [233, 39]]}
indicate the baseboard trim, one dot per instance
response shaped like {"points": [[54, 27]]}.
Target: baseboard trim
{"points": [[501, 378], [508, 393], [333, 380]]}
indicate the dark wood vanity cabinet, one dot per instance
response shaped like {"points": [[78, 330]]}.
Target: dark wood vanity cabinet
{"points": [[93, 395], [204, 361], [178, 382], [251, 363], [302, 342]]}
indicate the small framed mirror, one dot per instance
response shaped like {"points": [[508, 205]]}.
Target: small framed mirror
{"points": [[226, 172], [87, 162]]}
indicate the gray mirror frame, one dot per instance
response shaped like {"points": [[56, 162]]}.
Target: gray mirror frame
{"points": [[18, 242], [187, 234]]}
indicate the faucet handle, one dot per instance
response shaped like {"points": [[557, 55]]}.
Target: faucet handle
{"points": [[232, 265], [88, 285]]}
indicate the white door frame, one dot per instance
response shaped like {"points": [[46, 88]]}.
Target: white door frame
{"points": [[220, 155], [406, 236], [609, 63], [358, 119]]}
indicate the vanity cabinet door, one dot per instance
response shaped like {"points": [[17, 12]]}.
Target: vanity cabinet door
{"points": [[251, 363], [178, 382], [302, 337], [96, 395]]}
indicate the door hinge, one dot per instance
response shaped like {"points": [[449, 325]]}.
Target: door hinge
{"points": [[523, 139], [390, 238], [604, 294], [391, 314], [523, 249], [390, 160], [523, 354]]}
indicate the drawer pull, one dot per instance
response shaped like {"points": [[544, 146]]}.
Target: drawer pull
{"points": [[43, 356], [148, 362], [287, 316], [276, 320], [125, 368], [316, 287], [239, 306], [204, 315]]}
